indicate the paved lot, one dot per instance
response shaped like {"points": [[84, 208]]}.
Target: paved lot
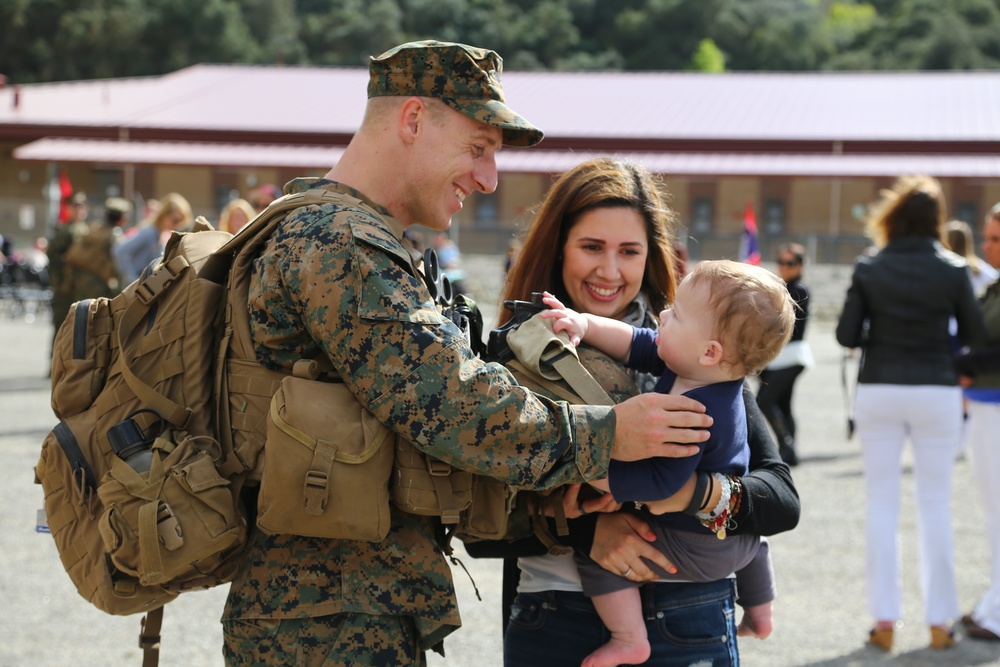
{"points": [[820, 615]]}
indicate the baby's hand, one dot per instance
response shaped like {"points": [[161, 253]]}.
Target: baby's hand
{"points": [[566, 319]]}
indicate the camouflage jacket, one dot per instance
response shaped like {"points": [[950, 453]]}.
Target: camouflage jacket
{"points": [[90, 277], [340, 280]]}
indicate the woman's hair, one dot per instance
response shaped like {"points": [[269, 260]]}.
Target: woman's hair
{"points": [[599, 183], [170, 205], [913, 207], [753, 312], [958, 236], [227, 212]]}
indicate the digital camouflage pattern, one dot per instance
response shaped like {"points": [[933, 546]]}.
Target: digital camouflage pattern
{"points": [[339, 640], [466, 78], [336, 279]]}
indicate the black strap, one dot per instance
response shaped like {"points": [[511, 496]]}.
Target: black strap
{"points": [[71, 448], [80, 329]]}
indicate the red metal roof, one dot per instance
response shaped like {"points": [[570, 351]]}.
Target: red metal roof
{"points": [[870, 106], [529, 161]]}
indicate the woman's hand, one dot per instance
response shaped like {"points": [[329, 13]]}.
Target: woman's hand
{"points": [[622, 545], [575, 508]]}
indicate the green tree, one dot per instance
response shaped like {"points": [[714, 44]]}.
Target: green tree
{"points": [[347, 32], [708, 57], [772, 35]]}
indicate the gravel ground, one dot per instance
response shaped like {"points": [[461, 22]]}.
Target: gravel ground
{"points": [[820, 614]]}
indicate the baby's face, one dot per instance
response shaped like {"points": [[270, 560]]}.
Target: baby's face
{"points": [[685, 330]]}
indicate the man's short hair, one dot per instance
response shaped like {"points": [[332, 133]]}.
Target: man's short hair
{"points": [[466, 78]]}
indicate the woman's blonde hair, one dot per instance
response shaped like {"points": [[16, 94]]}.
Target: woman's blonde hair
{"points": [[599, 183], [170, 205], [913, 207], [958, 237], [227, 212]]}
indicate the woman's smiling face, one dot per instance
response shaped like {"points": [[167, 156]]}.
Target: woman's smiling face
{"points": [[604, 260]]}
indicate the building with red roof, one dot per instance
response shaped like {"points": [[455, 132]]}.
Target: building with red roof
{"points": [[809, 150]]}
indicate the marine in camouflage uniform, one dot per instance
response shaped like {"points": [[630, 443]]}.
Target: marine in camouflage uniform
{"points": [[71, 283], [340, 279]]}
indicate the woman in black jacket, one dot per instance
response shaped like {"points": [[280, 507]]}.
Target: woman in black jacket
{"points": [[906, 293], [778, 380]]}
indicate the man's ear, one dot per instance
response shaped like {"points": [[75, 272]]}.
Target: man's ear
{"points": [[712, 354], [412, 115]]}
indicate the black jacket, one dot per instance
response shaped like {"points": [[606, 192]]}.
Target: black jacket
{"points": [[898, 308]]}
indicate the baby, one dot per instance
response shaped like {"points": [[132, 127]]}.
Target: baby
{"points": [[729, 320]]}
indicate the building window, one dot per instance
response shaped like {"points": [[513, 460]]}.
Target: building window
{"points": [[966, 212], [701, 215], [774, 216], [487, 210]]}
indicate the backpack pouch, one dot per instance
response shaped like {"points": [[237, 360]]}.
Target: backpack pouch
{"points": [[81, 354], [429, 487], [492, 501], [178, 520], [327, 464], [73, 511]]}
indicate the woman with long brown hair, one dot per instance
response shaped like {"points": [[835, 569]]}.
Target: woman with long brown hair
{"points": [[601, 241]]}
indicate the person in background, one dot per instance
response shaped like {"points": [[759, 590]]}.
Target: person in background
{"points": [[60, 275], [777, 381], [681, 260], [600, 242], [137, 252], [980, 371], [263, 195], [513, 248], [908, 389], [235, 215], [81, 265], [959, 239], [451, 262]]}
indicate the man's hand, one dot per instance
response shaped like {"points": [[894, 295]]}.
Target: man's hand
{"points": [[574, 507], [622, 542], [653, 424]]}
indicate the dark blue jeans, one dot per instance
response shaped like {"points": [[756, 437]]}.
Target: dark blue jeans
{"points": [[688, 623]]}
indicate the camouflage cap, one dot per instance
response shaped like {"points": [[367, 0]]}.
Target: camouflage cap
{"points": [[466, 78], [78, 198]]}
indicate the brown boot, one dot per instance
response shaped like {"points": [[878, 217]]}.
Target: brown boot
{"points": [[881, 638], [942, 637]]}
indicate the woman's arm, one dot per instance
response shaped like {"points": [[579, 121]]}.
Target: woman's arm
{"points": [[770, 502], [852, 317]]}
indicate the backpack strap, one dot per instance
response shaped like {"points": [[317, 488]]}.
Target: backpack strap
{"points": [[149, 637], [551, 357], [151, 288]]}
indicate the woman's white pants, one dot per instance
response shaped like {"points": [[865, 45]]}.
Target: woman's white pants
{"points": [[984, 446], [930, 416]]}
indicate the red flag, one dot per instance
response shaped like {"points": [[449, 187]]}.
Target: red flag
{"points": [[65, 192], [749, 250]]}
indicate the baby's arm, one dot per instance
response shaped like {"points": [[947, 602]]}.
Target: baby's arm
{"points": [[610, 336]]}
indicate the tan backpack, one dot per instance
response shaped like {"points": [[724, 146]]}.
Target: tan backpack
{"points": [[142, 374]]}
